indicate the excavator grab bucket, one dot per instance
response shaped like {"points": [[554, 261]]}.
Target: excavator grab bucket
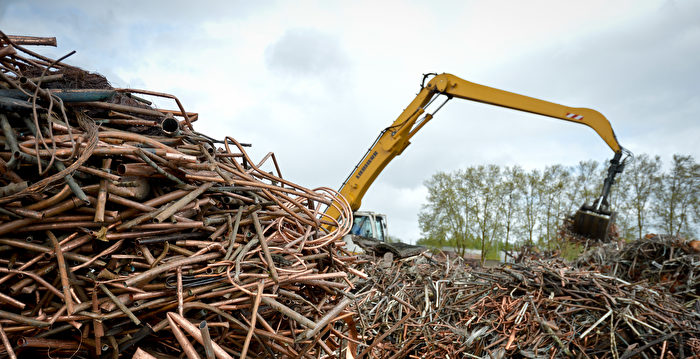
{"points": [[594, 221], [592, 224]]}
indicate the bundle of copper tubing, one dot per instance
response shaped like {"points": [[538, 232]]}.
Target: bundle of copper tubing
{"points": [[424, 307], [124, 232]]}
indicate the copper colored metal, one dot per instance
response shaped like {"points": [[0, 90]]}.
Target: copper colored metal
{"points": [[174, 225], [6, 343], [142, 354], [182, 339], [256, 303], [193, 331], [206, 340], [62, 271], [32, 40]]}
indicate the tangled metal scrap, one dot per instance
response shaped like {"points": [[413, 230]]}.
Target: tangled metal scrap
{"points": [[667, 263], [125, 232], [418, 307]]}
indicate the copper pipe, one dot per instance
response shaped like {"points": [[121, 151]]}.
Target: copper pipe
{"points": [[149, 215], [119, 304], [160, 94], [327, 318], [61, 195], [7, 51], [43, 249], [266, 250], [117, 107], [60, 208], [32, 40], [142, 354], [180, 225], [97, 327], [143, 207], [177, 113], [179, 290], [55, 226], [63, 272], [100, 173], [47, 78], [9, 174], [36, 278], [26, 212], [136, 169], [170, 210], [128, 121], [192, 330], [33, 342], [102, 195], [146, 253], [6, 343], [22, 319], [139, 234], [206, 339], [180, 336], [289, 312], [11, 301], [105, 252], [152, 273], [256, 303]]}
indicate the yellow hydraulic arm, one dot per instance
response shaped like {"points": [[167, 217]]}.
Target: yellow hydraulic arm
{"points": [[395, 138]]}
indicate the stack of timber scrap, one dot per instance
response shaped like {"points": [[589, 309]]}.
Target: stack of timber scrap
{"points": [[124, 232]]}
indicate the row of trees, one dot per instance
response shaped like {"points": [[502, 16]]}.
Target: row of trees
{"points": [[493, 207]]}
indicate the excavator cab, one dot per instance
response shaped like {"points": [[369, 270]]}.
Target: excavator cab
{"points": [[593, 221]]}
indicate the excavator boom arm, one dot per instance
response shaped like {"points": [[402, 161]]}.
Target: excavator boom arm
{"points": [[394, 139]]}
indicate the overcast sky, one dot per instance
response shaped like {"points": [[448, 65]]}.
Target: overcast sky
{"points": [[315, 82]]}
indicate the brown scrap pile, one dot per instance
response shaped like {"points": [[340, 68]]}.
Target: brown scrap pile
{"points": [[667, 263], [123, 230], [420, 308]]}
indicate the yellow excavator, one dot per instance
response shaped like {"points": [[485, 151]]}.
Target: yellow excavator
{"points": [[592, 221]]}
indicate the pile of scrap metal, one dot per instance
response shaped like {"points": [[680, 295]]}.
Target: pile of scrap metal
{"points": [[666, 263], [126, 233], [123, 230], [542, 308]]}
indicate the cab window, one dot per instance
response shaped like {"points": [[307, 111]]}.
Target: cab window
{"points": [[362, 227], [381, 226]]}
